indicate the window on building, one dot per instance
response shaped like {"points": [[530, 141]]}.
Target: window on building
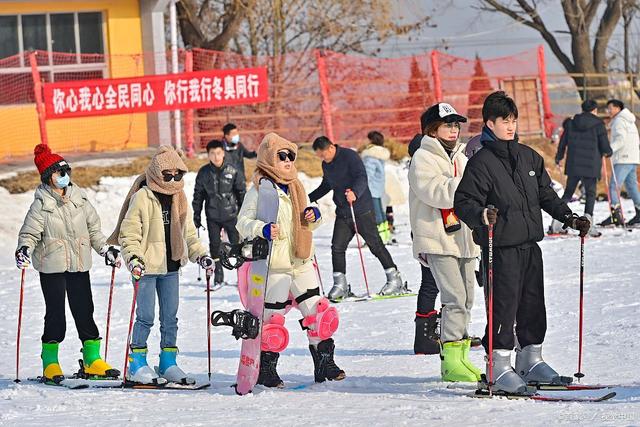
{"points": [[70, 47]]}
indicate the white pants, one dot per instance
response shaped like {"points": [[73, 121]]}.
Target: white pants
{"points": [[297, 282], [455, 278]]}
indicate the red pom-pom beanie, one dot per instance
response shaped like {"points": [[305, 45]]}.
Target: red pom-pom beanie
{"points": [[48, 162]]}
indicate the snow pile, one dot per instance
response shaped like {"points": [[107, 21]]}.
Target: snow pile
{"points": [[386, 384]]}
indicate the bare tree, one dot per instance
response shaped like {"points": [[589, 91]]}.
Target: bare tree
{"points": [[588, 54], [211, 24]]}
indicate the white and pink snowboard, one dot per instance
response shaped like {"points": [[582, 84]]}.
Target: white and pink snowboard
{"points": [[255, 274]]}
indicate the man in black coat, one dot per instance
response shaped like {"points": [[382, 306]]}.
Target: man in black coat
{"points": [[585, 142], [235, 151], [344, 173], [506, 184], [221, 187]]}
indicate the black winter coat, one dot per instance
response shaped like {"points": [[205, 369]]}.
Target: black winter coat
{"points": [[345, 171], [236, 155], [511, 177], [585, 140], [221, 190]]}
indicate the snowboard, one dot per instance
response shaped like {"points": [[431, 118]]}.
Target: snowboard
{"points": [[249, 365]]}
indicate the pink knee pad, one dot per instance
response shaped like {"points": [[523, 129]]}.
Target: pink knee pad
{"points": [[275, 336], [324, 323]]}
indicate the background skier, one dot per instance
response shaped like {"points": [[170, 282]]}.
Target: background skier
{"points": [[221, 187], [344, 173]]}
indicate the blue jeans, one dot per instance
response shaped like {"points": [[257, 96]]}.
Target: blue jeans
{"points": [[381, 215], [626, 174], [167, 287]]}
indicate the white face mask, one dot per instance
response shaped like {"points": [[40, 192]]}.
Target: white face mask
{"points": [[235, 139]]}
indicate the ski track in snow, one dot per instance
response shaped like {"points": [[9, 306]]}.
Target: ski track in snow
{"points": [[386, 384]]}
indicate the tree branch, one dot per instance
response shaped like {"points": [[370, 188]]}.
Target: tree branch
{"points": [[607, 25]]}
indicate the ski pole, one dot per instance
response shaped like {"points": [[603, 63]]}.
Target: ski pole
{"points": [[199, 268], [615, 181], [315, 264], [22, 275], [606, 182], [208, 276], [579, 374], [106, 340], [364, 271], [133, 309], [490, 275]]}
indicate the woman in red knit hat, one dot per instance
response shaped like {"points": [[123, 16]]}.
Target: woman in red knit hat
{"points": [[58, 233]]}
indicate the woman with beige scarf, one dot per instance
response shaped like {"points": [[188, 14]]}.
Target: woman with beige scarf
{"points": [[291, 274], [157, 236]]}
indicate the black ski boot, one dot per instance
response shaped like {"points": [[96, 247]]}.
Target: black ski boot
{"points": [[615, 218], [427, 340], [268, 376], [636, 219], [325, 367], [218, 275]]}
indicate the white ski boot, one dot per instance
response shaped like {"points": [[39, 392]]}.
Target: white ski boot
{"points": [[169, 370], [340, 289], [139, 371], [556, 228], [394, 285], [534, 370], [505, 379], [593, 231]]}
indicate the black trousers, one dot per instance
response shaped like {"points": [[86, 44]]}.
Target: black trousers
{"points": [[214, 228], [518, 297], [589, 187], [428, 292], [343, 232], [77, 287]]}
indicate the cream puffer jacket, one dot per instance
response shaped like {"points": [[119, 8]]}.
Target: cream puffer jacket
{"points": [[142, 234], [432, 186], [625, 141], [60, 231], [282, 257]]}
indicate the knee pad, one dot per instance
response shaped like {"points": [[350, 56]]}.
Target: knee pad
{"points": [[322, 324], [275, 336]]}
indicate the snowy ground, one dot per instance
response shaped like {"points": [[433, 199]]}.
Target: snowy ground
{"points": [[386, 383]]}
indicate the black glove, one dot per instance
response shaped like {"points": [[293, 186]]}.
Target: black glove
{"points": [[206, 262], [111, 256], [580, 223], [490, 216], [23, 259], [197, 221]]}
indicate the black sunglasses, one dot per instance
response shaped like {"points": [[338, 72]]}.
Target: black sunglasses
{"points": [[284, 155], [168, 177]]}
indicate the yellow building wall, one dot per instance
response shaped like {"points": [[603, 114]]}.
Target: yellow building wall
{"points": [[19, 128]]}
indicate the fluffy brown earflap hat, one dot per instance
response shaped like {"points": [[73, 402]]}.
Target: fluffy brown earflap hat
{"points": [[166, 158], [266, 167]]}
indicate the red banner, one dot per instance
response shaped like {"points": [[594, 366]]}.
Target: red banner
{"points": [[199, 89]]}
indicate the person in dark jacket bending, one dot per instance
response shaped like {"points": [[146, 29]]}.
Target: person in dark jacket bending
{"points": [[506, 184], [344, 173], [221, 187], [585, 142]]}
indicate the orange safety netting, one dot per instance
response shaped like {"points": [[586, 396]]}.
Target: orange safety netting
{"points": [[310, 94]]}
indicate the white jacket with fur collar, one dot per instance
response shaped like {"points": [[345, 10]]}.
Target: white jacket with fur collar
{"points": [[433, 180]]}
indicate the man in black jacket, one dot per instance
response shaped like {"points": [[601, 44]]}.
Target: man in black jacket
{"points": [[221, 187], [234, 150], [585, 141], [506, 184], [344, 173]]}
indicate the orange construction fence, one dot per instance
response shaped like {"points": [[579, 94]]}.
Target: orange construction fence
{"points": [[310, 93]]}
